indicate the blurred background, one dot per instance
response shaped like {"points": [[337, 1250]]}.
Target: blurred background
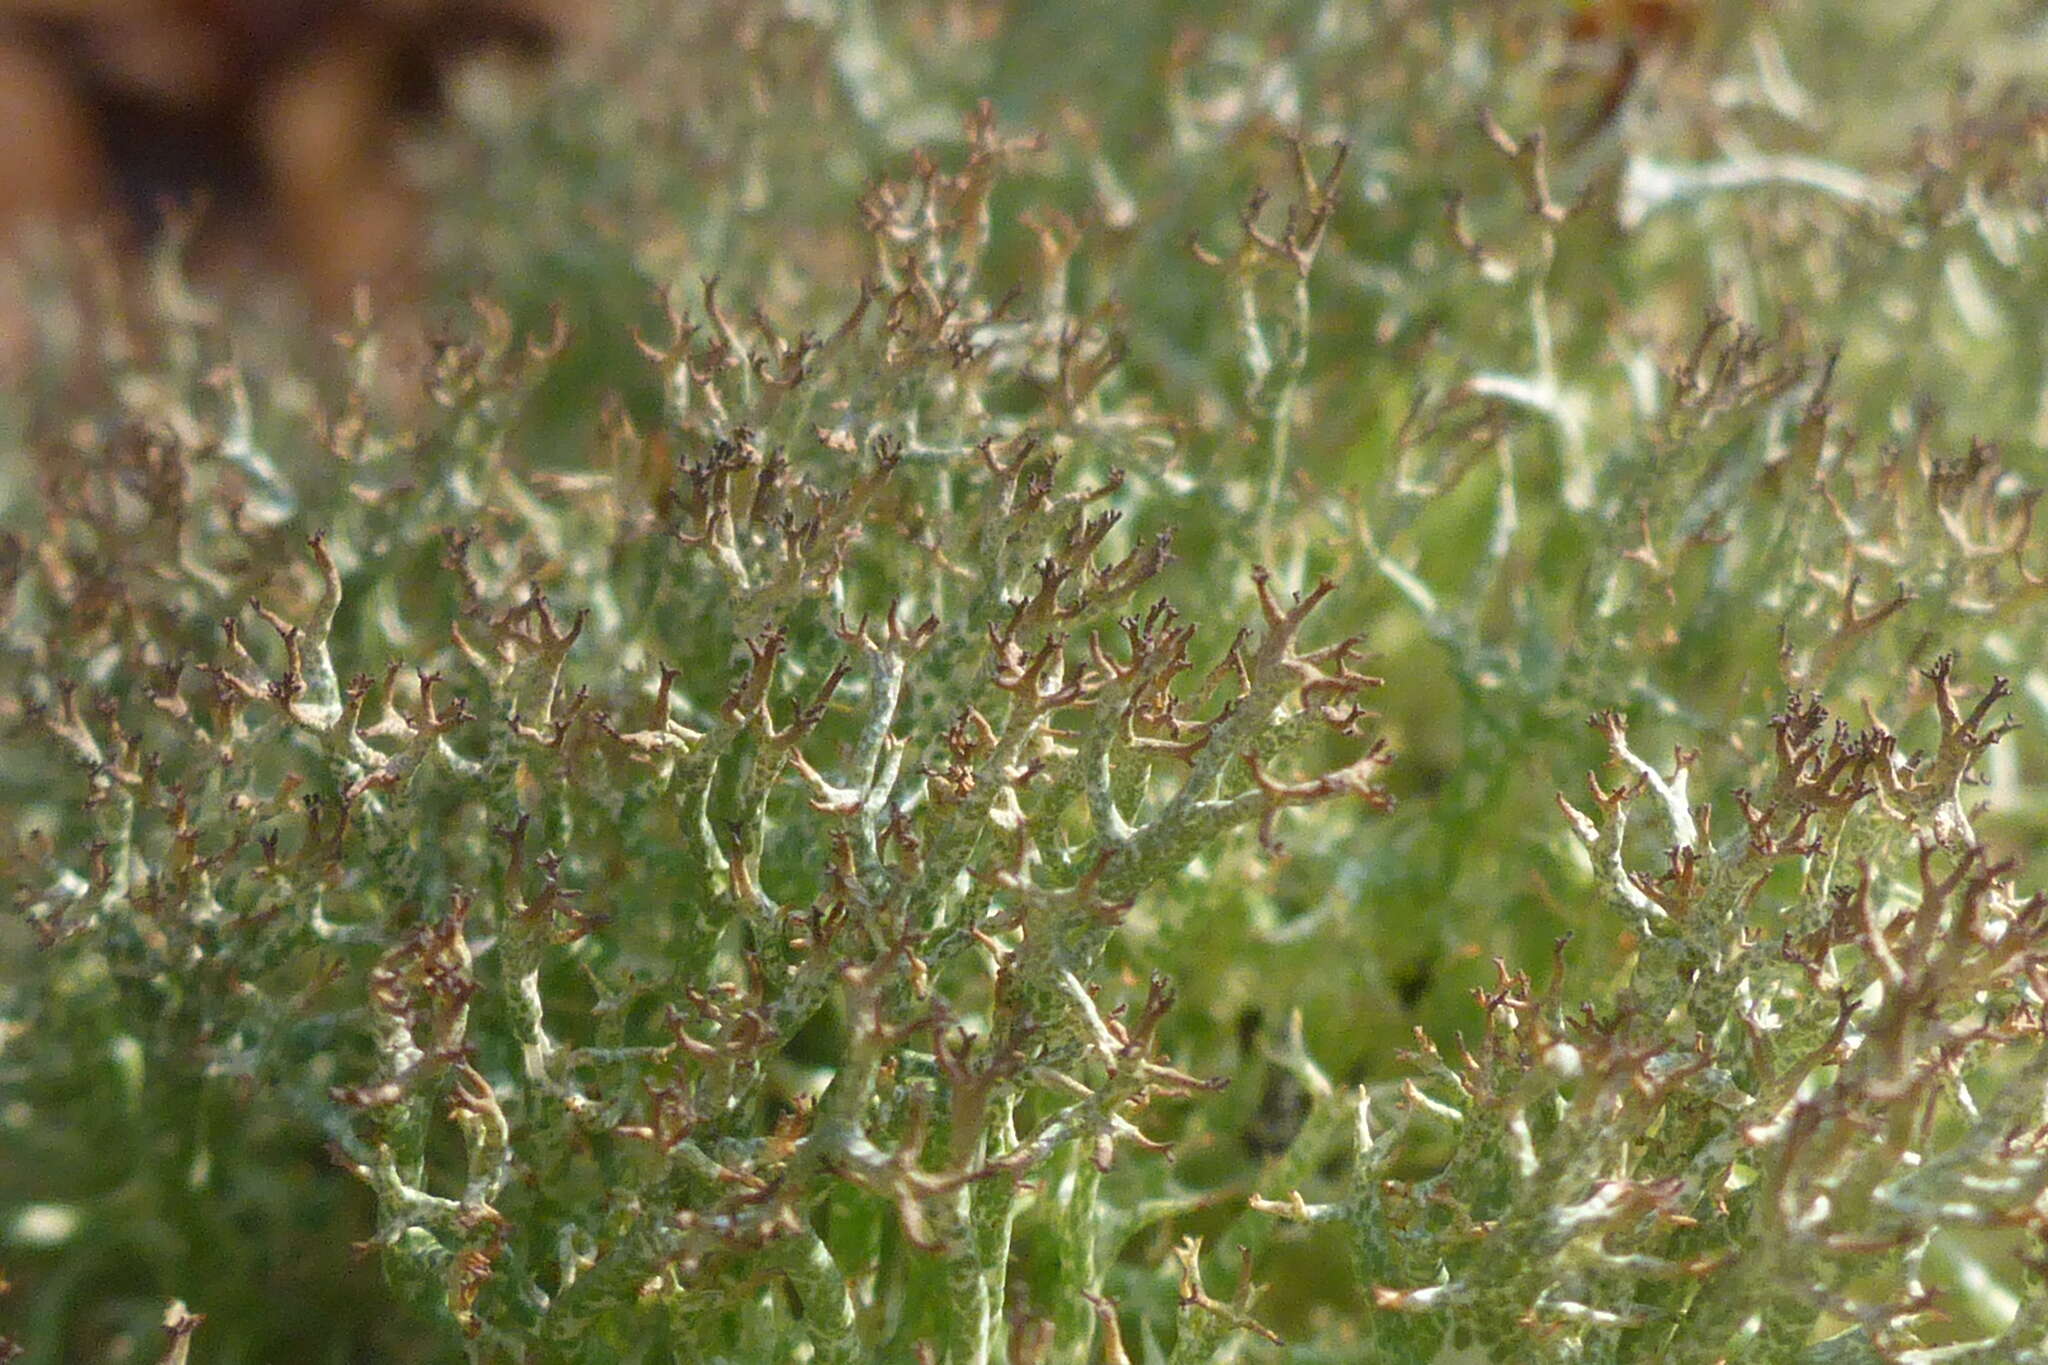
{"points": [[272, 131]]}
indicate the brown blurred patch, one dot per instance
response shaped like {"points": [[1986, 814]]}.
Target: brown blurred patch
{"points": [[281, 116]]}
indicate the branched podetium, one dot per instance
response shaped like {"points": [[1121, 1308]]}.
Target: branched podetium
{"points": [[697, 932], [731, 822]]}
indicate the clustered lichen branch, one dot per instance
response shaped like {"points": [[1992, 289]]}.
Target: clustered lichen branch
{"points": [[601, 875]]}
